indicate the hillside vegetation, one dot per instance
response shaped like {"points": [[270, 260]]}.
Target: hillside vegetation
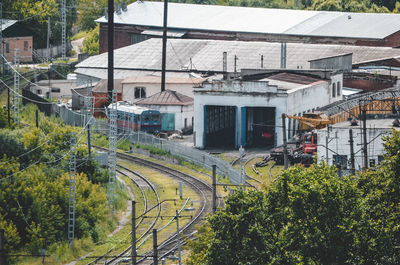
{"points": [[34, 188]]}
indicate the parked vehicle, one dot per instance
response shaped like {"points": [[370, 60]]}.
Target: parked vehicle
{"points": [[137, 118]]}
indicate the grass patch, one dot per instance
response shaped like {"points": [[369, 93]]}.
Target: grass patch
{"points": [[80, 34]]}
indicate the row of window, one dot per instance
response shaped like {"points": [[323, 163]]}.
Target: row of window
{"points": [[336, 89], [26, 46]]}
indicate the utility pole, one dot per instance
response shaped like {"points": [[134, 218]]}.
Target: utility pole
{"points": [[1, 37], [37, 118], [326, 146], [364, 131], [110, 28], [48, 39], [16, 86], [112, 155], [2, 250], [285, 151], [133, 232], [352, 162], [8, 106], [63, 29], [164, 46], [242, 175], [89, 115], [214, 186], [179, 238], [71, 201], [155, 251]]}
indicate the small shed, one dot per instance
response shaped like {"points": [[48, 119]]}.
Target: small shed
{"points": [[176, 109]]}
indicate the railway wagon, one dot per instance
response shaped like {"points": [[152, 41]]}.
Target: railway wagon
{"points": [[137, 118]]}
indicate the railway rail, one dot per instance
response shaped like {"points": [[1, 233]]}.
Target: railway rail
{"points": [[201, 187], [141, 182]]}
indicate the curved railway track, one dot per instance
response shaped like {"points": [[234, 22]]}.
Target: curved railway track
{"points": [[141, 182], [201, 187]]}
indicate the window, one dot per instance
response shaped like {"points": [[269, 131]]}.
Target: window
{"points": [[340, 160], [192, 121], [140, 92], [55, 90], [25, 45], [156, 117], [185, 122], [333, 90], [39, 91], [7, 47], [338, 88]]}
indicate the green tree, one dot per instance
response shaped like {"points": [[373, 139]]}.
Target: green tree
{"points": [[91, 43], [309, 216]]}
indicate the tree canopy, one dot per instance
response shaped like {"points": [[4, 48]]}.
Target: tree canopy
{"points": [[310, 216]]}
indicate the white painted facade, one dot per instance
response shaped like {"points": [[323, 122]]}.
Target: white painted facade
{"points": [[338, 138], [241, 94], [181, 113]]}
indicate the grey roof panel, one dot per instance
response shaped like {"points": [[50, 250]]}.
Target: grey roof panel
{"points": [[206, 55], [260, 20]]}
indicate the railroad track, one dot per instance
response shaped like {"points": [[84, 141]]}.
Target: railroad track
{"points": [[142, 183], [201, 187]]}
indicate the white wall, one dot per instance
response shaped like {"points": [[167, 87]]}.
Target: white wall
{"points": [[128, 89], [238, 94]]}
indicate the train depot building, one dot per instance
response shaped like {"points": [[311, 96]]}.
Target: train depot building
{"points": [[247, 112]]}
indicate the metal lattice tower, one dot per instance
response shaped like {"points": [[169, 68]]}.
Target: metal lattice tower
{"points": [[71, 201], [64, 29], [112, 156], [89, 108], [16, 86]]}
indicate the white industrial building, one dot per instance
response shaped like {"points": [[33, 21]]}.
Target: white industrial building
{"points": [[334, 143], [235, 112], [142, 86], [176, 109]]}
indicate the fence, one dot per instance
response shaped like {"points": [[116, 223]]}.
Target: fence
{"points": [[190, 154], [42, 55]]}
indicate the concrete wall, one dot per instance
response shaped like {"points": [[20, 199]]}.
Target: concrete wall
{"points": [[128, 89], [343, 62], [181, 113], [338, 143], [50, 87], [24, 51]]}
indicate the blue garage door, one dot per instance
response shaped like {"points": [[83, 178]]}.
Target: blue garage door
{"points": [[167, 122]]}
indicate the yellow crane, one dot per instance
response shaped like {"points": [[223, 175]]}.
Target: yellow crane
{"points": [[311, 121]]}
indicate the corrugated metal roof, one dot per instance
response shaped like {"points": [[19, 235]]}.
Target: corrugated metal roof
{"points": [[260, 20], [294, 78], [157, 80], [101, 86], [206, 55], [5, 23], [167, 97]]}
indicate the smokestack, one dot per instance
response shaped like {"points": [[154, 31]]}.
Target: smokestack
{"points": [[225, 64], [283, 55]]}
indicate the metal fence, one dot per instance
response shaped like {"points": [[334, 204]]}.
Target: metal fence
{"points": [[188, 153]]}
